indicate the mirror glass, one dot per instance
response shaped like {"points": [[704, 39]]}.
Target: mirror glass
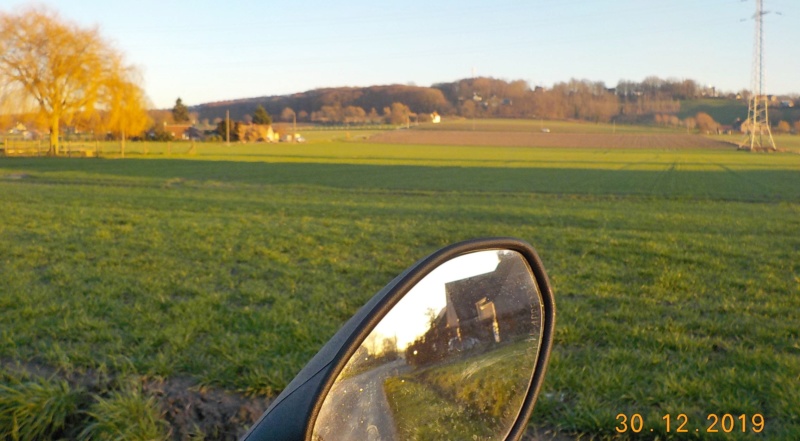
{"points": [[452, 360]]}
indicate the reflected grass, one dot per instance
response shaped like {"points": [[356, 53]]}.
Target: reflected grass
{"points": [[423, 415], [492, 384]]}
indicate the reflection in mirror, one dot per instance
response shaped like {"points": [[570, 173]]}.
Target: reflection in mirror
{"points": [[452, 360]]}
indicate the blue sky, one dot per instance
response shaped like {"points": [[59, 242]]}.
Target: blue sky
{"points": [[206, 51]]}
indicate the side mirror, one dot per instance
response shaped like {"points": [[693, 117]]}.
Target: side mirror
{"points": [[454, 348]]}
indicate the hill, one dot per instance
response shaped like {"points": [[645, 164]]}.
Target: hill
{"points": [[485, 97], [724, 111], [420, 99]]}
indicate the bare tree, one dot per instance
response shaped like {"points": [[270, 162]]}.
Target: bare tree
{"points": [[783, 127], [287, 114], [690, 123], [400, 113], [705, 122]]}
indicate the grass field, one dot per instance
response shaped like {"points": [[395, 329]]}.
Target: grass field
{"points": [[676, 273], [789, 143], [536, 125]]}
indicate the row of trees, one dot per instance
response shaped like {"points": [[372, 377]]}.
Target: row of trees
{"points": [[705, 123], [56, 73], [701, 121], [397, 113]]}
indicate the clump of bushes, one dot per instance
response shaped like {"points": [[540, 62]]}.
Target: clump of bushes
{"points": [[37, 409], [46, 408], [126, 414]]}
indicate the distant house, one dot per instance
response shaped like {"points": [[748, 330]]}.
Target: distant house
{"points": [[19, 129], [194, 133], [178, 131], [726, 129]]}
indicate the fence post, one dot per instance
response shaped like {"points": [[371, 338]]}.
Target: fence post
{"points": [[96, 148]]}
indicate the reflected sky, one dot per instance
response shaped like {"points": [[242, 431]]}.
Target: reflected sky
{"points": [[410, 318]]}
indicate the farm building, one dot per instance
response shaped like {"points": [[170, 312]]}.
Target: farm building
{"points": [[257, 133]]}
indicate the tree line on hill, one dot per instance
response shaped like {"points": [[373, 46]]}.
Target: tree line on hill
{"points": [[653, 100]]}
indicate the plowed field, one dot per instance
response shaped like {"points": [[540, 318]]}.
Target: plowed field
{"points": [[537, 139]]}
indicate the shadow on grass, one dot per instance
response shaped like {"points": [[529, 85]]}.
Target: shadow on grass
{"points": [[725, 184]]}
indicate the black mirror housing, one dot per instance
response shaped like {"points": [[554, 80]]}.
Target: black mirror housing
{"points": [[292, 415]]}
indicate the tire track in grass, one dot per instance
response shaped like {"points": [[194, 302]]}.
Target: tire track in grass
{"points": [[588, 183], [639, 165], [766, 193]]}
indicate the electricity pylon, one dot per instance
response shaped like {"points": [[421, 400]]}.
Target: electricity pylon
{"points": [[757, 124]]}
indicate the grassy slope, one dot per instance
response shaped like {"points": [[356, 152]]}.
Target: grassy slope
{"points": [[726, 111], [723, 111], [675, 271]]}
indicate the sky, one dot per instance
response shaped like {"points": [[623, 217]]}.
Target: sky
{"points": [[408, 319], [204, 51]]}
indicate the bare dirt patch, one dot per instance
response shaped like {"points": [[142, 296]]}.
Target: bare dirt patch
{"points": [[15, 176], [217, 414], [564, 140]]}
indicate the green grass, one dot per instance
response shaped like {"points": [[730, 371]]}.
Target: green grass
{"points": [[789, 143], [127, 414], [33, 407], [675, 272]]}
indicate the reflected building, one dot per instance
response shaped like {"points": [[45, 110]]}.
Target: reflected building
{"points": [[482, 310]]}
